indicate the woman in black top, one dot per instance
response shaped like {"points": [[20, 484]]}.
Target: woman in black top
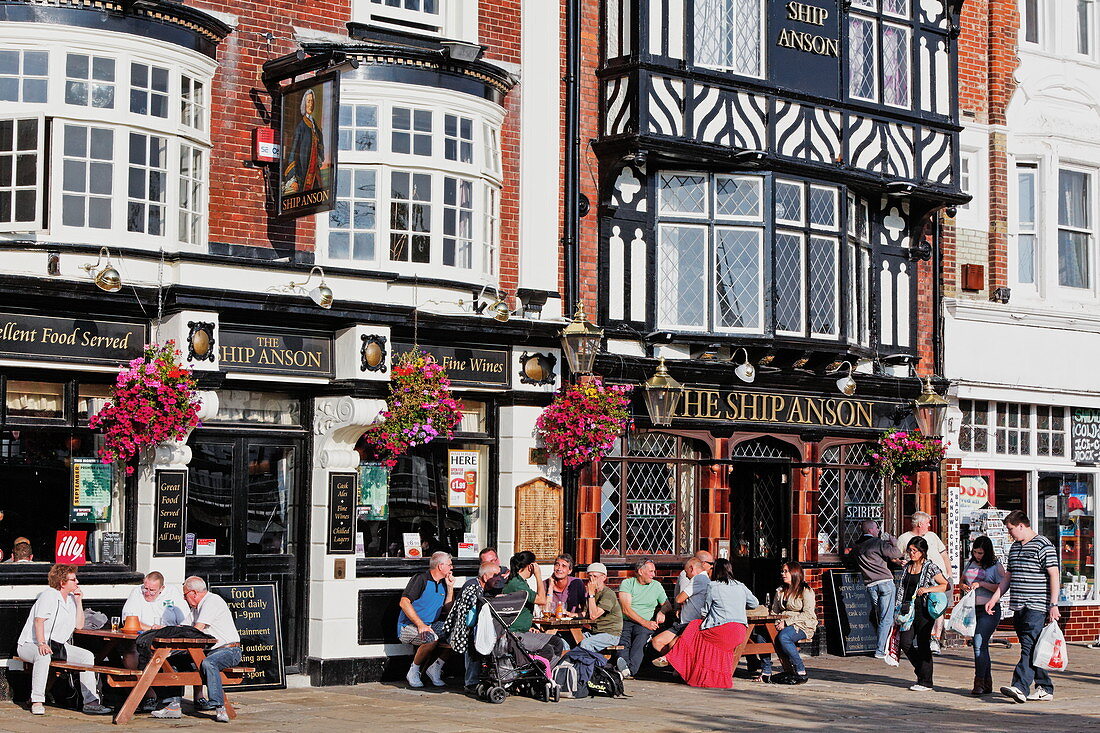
{"points": [[922, 576]]}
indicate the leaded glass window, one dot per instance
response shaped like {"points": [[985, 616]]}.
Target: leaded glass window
{"points": [[647, 496], [849, 493], [727, 35], [880, 52], [738, 256]]}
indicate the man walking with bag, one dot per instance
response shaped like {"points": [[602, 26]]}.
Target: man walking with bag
{"points": [[1033, 585]]}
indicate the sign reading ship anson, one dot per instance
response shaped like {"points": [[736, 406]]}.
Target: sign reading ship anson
{"points": [[768, 407], [275, 353]]}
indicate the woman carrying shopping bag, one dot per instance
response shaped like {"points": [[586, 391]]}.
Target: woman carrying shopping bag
{"points": [[915, 600], [982, 574]]}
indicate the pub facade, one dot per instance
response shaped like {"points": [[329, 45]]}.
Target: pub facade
{"points": [[141, 200], [771, 177]]}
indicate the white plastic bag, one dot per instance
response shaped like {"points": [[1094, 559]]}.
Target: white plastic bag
{"points": [[964, 617], [1050, 650]]}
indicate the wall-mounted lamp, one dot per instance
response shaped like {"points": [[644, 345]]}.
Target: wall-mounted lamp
{"points": [[107, 277], [845, 384], [745, 371], [322, 294], [500, 310], [462, 51], [662, 395], [581, 341]]}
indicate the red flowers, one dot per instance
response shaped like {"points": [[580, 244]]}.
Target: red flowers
{"points": [[899, 454], [152, 402], [419, 409], [584, 421]]}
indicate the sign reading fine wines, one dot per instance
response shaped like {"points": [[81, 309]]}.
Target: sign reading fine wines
{"points": [[169, 521]]}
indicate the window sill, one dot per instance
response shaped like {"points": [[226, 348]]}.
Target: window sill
{"points": [[35, 574]]}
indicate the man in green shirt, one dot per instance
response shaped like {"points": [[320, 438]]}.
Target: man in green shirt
{"points": [[644, 603]]}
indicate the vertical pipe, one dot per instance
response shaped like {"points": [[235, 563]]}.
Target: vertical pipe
{"points": [[571, 184]]}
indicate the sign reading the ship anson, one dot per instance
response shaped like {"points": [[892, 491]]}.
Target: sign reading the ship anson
{"points": [[723, 405], [805, 46]]}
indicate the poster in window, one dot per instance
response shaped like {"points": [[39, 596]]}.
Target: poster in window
{"points": [[374, 491], [463, 467], [307, 161], [92, 482], [71, 547]]}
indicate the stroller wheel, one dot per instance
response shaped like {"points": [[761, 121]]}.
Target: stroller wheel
{"points": [[496, 695], [552, 694]]}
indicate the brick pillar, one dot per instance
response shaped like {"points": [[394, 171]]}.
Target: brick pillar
{"points": [[804, 508]]}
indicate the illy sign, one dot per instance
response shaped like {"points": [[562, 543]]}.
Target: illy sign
{"points": [[71, 547]]}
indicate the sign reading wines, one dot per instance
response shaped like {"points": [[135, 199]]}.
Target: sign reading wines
{"points": [[1085, 427], [168, 522], [256, 614]]}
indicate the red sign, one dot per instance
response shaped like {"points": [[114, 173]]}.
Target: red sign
{"points": [[71, 547]]}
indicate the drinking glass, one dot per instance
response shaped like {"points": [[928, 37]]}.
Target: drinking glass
{"points": [[115, 620]]}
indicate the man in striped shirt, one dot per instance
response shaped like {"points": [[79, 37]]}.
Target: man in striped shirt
{"points": [[1033, 578]]}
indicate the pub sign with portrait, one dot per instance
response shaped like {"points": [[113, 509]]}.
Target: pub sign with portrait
{"points": [[307, 150]]}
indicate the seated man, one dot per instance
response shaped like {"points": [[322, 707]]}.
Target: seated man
{"points": [[210, 615], [21, 551], [563, 591], [602, 608], [157, 605], [691, 592], [644, 603], [420, 622]]}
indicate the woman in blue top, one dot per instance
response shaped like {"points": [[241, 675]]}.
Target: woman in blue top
{"points": [[983, 575], [703, 655]]}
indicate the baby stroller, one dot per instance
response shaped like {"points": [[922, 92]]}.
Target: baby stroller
{"points": [[508, 667]]}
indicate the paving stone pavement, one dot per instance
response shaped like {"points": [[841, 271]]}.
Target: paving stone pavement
{"points": [[844, 694]]}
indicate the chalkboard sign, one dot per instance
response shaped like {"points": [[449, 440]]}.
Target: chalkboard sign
{"points": [[849, 617], [343, 489], [169, 519], [256, 614], [1085, 433]]}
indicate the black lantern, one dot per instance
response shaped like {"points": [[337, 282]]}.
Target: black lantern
{"points": [[929, 410], [581, 343], [662, 395]]}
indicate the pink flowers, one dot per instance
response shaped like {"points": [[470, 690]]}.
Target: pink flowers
{"points": [[899, 455], [419, 409], [584, 421], [152, 402]]}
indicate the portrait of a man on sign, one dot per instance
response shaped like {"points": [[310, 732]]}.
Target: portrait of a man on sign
{"points": [[307, 146]]}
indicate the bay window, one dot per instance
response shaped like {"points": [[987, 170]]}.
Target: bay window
{"points": [[728, 35], [24, 75], [880, 52], [89, 80], [433, 171]]}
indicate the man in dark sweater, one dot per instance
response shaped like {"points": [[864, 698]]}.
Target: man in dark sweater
{"points": [[876, 558]]}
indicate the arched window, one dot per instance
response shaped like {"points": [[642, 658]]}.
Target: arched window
{"points": [[849, 492]]}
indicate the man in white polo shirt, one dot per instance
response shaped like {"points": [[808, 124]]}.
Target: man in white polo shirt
{"points": [[212, 616], [156, 604]]}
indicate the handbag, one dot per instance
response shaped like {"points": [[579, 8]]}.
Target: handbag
{"points": [[936, 603], [57, 648]]}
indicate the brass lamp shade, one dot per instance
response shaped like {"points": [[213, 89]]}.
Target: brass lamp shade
{"points": [[321, 295], [929, 409], [581, 342], [662, 395], [108, 279]]}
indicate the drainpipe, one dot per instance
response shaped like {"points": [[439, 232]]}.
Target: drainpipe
{"points": [[571, 184]]}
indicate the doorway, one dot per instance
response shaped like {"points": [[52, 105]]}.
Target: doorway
{"points": [[245, 508], [760, 513]]}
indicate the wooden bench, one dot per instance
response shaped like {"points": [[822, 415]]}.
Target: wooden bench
{"points": [[608, 651], [122, 677]]}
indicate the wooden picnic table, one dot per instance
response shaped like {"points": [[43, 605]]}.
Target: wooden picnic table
{"points": [[575, 626], [157, 673], [759, 622]]}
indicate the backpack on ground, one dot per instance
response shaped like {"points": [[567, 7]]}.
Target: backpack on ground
{"points": [[607, 682], [567, 679]]}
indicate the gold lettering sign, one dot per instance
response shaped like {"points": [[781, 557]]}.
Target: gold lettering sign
{"points": [[805, 40], [282, 353], [763, 407]]}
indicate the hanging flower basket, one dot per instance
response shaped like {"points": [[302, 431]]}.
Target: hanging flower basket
{"points": [[900, 455], [153, 401], [419, 409], [584, 421]]}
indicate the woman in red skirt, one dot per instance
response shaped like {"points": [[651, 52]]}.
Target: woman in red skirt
{"points": [[703, 655]]}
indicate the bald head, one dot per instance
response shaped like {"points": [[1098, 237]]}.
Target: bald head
{"points": [[870, 527], [704, 557]]}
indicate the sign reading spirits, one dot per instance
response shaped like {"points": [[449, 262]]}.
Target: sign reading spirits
{"points": [[171, 498]]}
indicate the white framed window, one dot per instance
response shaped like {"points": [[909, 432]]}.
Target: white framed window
{"points": [[147, 179], [411, 131], [22, 145], [89, 80], [1031, 21], [1014, 429], [415, 16], [683, 265], [738, 277], [880, 52], [895, 65], [1085, 26], [149, 90], [1074, 228], [491, 237], [728, 35], [458, 138], [358, 127], [491, 137], [739, 198], [458, 222], [789, 261], [353, 222], [192, 194], [87, 157], [1050, 430], [410, 217], [858, 291], [683, 194], [24, 76], [862, 58], [1027, 231], [193, 105]]}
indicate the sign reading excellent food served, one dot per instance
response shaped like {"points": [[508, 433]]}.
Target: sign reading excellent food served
{"points": [[85, 340]]}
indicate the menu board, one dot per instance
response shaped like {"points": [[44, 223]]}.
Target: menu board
{"points": [[168, 523], [342, 493], [1085, 434], [256, 615], [849, 617]]}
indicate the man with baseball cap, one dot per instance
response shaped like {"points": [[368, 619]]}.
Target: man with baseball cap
{"points": [[603, 609]]}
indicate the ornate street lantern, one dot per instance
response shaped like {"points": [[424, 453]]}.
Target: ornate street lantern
{"points": [[581, 342], [662, 395], [929, 409]]}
